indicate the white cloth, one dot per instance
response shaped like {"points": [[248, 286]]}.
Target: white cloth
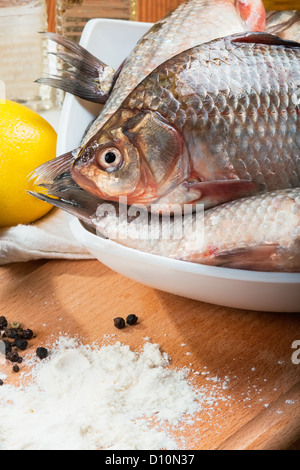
{"points": [[49, 238]]}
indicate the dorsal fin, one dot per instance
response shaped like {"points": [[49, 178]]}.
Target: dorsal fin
{"points": [[261, 38]]}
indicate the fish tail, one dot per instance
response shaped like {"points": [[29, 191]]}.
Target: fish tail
{"points": [[283, 26], [89, 78]]}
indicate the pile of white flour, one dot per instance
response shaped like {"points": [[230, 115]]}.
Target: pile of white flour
{"points": [[85, 398]]}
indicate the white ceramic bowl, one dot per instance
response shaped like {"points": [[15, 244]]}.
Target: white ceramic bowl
{"points": [[111, 41]]}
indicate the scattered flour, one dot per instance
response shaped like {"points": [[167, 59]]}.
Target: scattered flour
{"points": [[87, 397], [91, 397], [290, 402]]}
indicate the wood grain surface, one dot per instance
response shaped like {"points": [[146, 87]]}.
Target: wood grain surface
{"points": [[282, 4], [250, 352]]}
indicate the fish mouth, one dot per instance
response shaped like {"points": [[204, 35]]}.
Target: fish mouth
{"points": [[86, 184], [65, 194], [48, 173], [59, 189]]}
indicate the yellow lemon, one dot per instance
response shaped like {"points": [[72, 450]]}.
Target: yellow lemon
{"points": [[26, 142]]}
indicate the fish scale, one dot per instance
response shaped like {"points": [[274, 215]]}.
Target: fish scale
{"points": [[161, 43], [234, 127], [259, 233], [260, 111], [193, 22]]}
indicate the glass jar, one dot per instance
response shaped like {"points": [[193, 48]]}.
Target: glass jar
{"points": [[23, 52], [72, 15]]}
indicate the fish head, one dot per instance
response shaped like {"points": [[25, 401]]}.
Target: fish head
{"points": [[253, 14], [135, 155]]}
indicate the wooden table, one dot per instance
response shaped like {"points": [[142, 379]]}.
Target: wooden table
{"points": [[249, 351]]}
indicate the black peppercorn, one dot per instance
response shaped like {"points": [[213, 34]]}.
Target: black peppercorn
{"points": [[21, 344], [27, 334], [20, 360], [42, 353], [132, 320], [16, 369], [3, 323], [12, 357], [1, 383], [119, 323], [13, 333]]}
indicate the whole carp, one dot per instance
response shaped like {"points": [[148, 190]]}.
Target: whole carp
{"points": [[260, 233], [215, 123], [192, 23]]}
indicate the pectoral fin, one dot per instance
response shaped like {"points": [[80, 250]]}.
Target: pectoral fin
{"points": [[209, 193], [214, 193]]}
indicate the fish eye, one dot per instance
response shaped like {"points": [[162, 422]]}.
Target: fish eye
{"points": [[109, 159]]}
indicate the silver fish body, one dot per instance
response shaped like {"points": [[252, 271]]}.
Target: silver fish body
{"points": [[191, 23], [217, 122], [259, 233]]}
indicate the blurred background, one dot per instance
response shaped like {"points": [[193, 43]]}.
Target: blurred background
{"points": [[20, 43], [152, 10]]}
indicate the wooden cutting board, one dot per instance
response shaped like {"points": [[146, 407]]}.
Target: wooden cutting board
{"points": [[243, 358]]}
